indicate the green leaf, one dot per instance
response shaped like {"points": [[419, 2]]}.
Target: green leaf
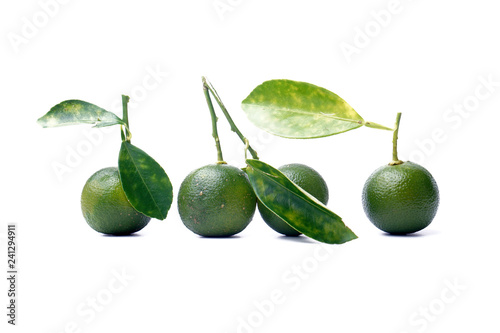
{"points": [[299, 110], [295, 206], [144, 181], [72, 112]]}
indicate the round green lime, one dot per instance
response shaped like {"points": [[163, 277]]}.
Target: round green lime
{"points": [[216, 200], [105, 206], [401, 199]]}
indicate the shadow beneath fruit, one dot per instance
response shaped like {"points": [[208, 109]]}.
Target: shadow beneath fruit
{"points": [[297, 239], [220, 237], [413, 235], [401, 235], [121, 236]]}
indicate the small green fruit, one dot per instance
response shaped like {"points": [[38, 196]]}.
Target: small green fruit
{"points": [[401, 198], [309, 180], [105, 206], [216, 200]]}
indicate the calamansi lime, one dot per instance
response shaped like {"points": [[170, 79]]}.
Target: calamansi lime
{"points": [[216, 200], [401, 198], [309, 180], [105, 206]]}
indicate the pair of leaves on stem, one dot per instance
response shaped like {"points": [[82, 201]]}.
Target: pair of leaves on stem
{"points": [[144, 181], [287, 200], [299, 110]]}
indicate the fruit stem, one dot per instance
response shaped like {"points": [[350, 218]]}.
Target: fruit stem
{"points": [[215, 135], [395, 159], [234, 128], [127, 135]]}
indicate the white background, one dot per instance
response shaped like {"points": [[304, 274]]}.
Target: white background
{"points": [[427, 59]]}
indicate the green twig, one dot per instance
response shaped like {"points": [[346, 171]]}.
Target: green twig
{"points": [[235, 129], [395, 159], [127, 136], [215, 134]]}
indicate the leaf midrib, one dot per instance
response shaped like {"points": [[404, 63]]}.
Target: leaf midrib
{"points": [[300, 111]]}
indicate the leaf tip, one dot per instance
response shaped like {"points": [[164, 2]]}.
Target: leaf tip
{"points": [[40, 122], [47, 121], [348, 236]]}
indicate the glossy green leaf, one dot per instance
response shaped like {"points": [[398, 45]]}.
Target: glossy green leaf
{"points": [[299, 110], [144, 181], [72, 112], [295, 206]]}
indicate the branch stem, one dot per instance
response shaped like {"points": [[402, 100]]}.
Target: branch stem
{"points": [[234, 128], [215, 135], [395, 159], [127, 135]]}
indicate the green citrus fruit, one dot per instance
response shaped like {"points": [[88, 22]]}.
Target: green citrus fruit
{"points": [[216, 200], [105, 206], [309, 180], [401, 199]]}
